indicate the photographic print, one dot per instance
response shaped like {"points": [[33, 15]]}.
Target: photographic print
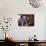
{"points": [[26, 20]]}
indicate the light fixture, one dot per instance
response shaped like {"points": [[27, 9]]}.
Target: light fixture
{"points": [[36, 3]]}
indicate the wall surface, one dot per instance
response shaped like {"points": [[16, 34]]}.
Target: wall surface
{"points": [[11, 8]]}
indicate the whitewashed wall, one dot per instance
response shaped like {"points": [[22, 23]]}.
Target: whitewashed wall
{"points": [[11, 8]]}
